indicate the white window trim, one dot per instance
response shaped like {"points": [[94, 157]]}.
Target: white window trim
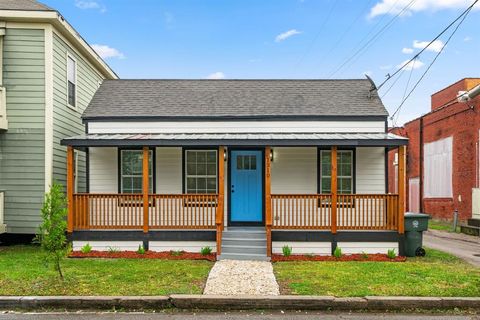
{"points": [[70, 56], [200, 176]]}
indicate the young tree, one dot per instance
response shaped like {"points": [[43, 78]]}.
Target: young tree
{"points": [[51, 233]]}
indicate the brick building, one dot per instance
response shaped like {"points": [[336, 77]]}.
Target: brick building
{"points": [[443, 155]]}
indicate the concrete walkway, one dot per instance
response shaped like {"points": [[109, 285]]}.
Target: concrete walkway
{"points": [[458, 244], [241, 277]]}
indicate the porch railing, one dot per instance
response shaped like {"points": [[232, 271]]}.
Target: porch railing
{"points": [[125, 211], [353, 211]]}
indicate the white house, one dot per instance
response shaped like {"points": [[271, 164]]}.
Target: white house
{"points": [[242, 166]]}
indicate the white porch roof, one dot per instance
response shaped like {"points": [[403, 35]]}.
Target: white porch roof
{"points": [[247, 139]]}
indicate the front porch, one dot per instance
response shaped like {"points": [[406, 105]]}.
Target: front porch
{"points": [[286, 211]]}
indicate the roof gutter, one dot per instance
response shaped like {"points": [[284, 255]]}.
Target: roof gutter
{"points": [[61, 25]]}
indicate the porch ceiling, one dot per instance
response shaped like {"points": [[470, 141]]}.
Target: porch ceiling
{"points": [[237, 139]]}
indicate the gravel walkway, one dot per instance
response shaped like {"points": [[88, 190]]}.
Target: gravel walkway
{"points": [[234, 277]]}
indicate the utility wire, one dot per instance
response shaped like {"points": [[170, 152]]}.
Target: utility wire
{"points": [[465, 14], [372, 40], [428, 45], [394, 121], [347, 30], [329, 14]]}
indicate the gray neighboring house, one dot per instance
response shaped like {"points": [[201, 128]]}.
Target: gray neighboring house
{"points": [[48, 76]]}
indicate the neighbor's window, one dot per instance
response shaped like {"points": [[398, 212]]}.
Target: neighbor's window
{"points": [[201, 171], [131, 171], [344, 171], [71, 80], [438, 157]]}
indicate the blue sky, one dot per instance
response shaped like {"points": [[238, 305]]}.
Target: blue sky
{"points": [[281, 39]]}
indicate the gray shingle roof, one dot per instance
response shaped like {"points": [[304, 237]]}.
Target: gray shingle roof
{"points": [[28, 5], [234, 98]]}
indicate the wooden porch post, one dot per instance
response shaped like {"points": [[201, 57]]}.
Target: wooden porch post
{"points": [[402, 161], [334, 189], [221, 191], [70, 184], [268, 201], [145, 188]]}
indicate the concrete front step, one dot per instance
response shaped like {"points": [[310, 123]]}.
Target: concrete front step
{"points": [[473, 222], [470, 230], [247, 242], [244, 249], [241, 256]]}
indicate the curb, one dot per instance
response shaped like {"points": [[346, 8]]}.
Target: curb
{"points": [[244, 302]]}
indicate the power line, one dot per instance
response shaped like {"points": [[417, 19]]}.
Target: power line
{"points": [[329, 14], [428, 45], [345, 32], [372, 40], [394, 121], [434, 59]]}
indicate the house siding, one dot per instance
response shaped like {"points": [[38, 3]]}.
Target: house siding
{"points": [[66, 120], [294, 171], [237, 127], [22, 153]]}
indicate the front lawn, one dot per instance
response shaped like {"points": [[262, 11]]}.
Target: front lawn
{"points": [[442, 225], [437, 274], [22, 272]]}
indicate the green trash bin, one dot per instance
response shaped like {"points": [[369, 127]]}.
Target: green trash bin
{"points": [[415, 224]]}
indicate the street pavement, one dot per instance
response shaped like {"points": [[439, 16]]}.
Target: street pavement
{"points": [[232, 316], [463, 246]]}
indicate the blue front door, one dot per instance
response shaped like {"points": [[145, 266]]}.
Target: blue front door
{"points": [[246, 187]]}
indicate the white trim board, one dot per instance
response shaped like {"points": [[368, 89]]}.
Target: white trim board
{"points": [[48, 106]]}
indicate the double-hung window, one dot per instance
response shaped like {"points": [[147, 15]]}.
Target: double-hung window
{"points": [[345, 171], [71, 81], [200, 171], [131, 171]]}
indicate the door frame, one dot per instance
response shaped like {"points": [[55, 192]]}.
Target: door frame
{"points": [[229, 193]]}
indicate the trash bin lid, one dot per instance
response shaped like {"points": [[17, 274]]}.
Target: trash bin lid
{"points": [[417, 215]]}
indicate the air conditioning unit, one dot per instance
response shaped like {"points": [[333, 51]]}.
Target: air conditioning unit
{"points": [[476, 203], [3, 227]]}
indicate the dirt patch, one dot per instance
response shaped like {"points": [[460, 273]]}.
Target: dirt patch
{"points": [[346, 257], [166, 255]]}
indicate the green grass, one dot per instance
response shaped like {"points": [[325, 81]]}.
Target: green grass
{"points": [[437, 274], [23, 272], [441, 225]]}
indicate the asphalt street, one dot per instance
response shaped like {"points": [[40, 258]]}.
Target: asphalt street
{"points": [[229, 316]]}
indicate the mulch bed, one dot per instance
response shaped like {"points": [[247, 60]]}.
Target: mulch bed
{"points": [[346, 257], [166, 255]]}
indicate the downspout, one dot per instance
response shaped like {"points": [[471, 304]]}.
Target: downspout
{"points": [[420, 176]]}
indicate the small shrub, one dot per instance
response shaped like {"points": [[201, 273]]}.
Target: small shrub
{"points": [[51, 233], [337, 253], [205, 251], [86, 248], [287, 251], [391, 254], [364, 255], [176, 253], [112, 250], [141, 249]]}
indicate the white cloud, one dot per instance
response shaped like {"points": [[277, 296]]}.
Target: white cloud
{"points": [[287, 34], [216, 75], [88, 4], [467, 39], [415, 64], [436, 45], [407, 50], [106, 52], [393, 7]]}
